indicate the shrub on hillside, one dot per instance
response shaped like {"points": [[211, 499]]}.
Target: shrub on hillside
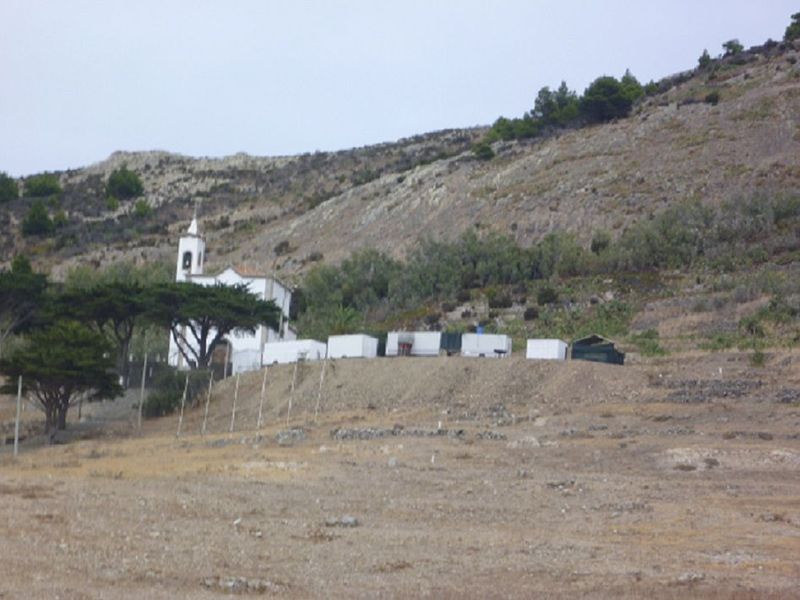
{"points": [[41, 186], [8, 188], [124, 184], [167, 391], [37, 221]]}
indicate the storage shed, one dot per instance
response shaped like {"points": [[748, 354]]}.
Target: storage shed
{"points": [[290, 352], [597, 348], [485, 344], [352, 346], [546, 350], [413, 343]]}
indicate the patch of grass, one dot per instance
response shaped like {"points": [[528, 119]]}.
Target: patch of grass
{"points": [[647, 342]]}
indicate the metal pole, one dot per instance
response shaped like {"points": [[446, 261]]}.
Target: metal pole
{"points": [[291, 394], [183, 403], [208, 401], [235, 398], [227, 357], [19, 408], [261, 402], [141, 390], [319, 393]]}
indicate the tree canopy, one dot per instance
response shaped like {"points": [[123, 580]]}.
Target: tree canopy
{"points": [[59, 364], [8, 188], [606, 99], [124, 184], [21, 295], [37, 221], [41, 186], [793, 30], [200, 318]]}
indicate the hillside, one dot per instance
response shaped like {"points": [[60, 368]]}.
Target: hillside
{"points": [[426, 478], [280, 213]]}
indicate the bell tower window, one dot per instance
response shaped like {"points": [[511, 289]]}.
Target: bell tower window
{"points": [[187, 260]]}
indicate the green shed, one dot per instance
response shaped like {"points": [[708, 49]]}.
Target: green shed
{"points": [[597, 348]]}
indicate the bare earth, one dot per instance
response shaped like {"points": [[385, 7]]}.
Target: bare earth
{"points": [[436, 478]]}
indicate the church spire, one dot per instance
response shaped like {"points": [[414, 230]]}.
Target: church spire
{"points": [[193, 228]]}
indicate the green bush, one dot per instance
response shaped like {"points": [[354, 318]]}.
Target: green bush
{"points": [[793, 30], [732, 47], [704, 60], [604, 100], [141, 209], [647, 343], [546, 295], [712, 98], [37, 221], [124, 184], [483, 150], [8, 188], [41, 186], [167, 391]]}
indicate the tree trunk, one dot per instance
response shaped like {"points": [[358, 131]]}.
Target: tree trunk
{"points": [[50, 423], [62, 416]]}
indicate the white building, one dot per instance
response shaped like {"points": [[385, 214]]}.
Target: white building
{"points": [[485, 345], [413, 343], [352, 346], [546, 349], [293, 351], [244, 351]]}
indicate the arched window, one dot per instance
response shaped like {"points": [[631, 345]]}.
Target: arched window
{"points": [[187, 260]]}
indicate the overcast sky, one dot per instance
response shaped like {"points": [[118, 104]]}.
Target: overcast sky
{"points": [[80, 79]]}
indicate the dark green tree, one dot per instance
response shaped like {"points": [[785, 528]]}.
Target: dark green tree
{"points": [[732, 47], [200, 318], [704, 60], [605, 99], [21, 296], [59, 365], [124, 184], [37, 221], [793, 30], [112, 308], [8, 188], [41, 186], [631, 86]]}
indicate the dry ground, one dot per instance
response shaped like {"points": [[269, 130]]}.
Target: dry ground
{"points": [[482, 478]]}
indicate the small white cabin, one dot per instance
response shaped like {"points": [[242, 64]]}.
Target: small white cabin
{"points": [[413, 343], [293, 351], [352, 346], [485, 344], [546, 350]]}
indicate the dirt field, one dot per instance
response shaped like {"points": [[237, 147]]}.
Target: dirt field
{"points": [[433, 478]]}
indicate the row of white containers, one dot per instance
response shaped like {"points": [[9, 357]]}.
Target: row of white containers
{"points": [[423, 343]]}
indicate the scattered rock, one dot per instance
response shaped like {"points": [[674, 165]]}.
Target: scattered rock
{"points": [[690, 577], [526, 442], [243, 585], [345, 521], [491, 435], [287, 437]]}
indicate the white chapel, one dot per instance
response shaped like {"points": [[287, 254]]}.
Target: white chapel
{"points": [[246, 351]]}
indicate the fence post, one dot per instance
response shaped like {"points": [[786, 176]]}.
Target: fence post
{"points": [[141, 390], [261, 401], [291, 393], [19, 409], [235, 398], [183, 403], [319, 393], [208, 401]]}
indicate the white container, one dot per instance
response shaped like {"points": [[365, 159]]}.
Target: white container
{"points": [[352, 346], [485, 344], [546, 350], [423, 343], [290, 352]]}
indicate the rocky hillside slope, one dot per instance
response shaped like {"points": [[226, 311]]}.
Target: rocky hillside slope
{"points": [[284, 213]]}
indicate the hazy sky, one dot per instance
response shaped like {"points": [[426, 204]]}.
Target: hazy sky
{"points": [[80, 79]]}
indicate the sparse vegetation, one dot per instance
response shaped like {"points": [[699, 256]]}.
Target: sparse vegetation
{"points": [[124, 184], [8, 188], [42, 186]]}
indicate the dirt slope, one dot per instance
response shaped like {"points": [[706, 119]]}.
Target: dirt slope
{"points": [[430, 478]]}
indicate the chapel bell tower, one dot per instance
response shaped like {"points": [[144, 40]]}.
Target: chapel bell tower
{"points": [[191, 253]]}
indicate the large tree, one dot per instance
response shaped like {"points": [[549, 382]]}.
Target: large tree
{"points": [[21, 295], [605, 99], [59, 365], [200, 318], [113, 308]]}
